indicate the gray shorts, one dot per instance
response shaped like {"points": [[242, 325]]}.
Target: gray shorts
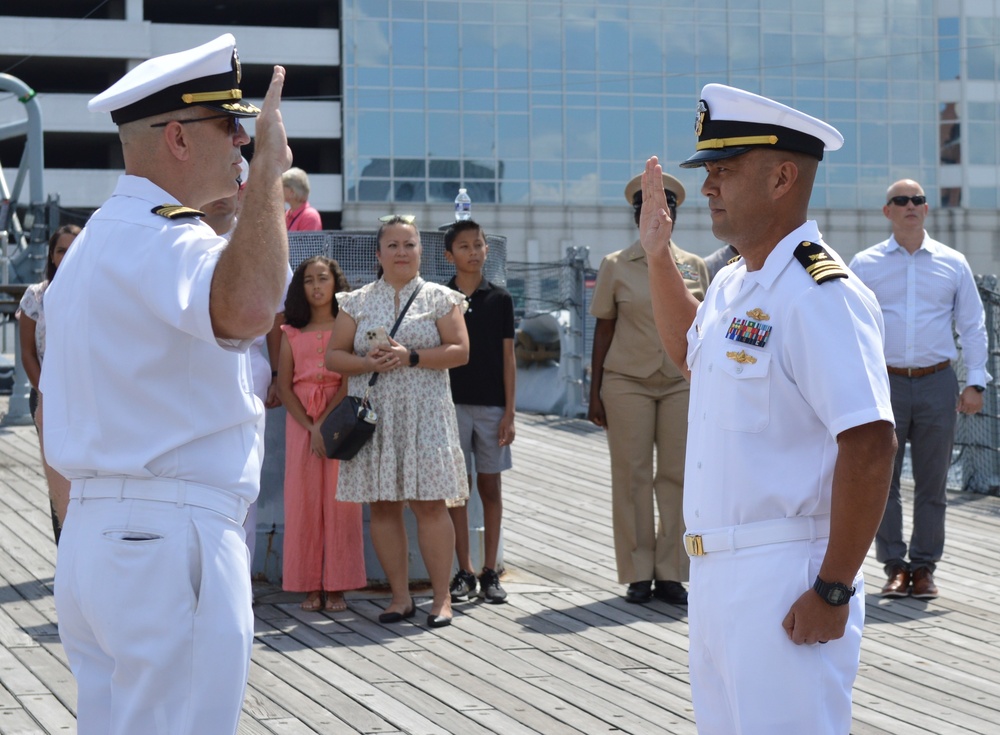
{"points": [[479, 431]]}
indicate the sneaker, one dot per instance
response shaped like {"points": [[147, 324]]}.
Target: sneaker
{"points": [[490, 589], [463, 584]]}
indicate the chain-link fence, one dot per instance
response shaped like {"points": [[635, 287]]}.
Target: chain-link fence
{"points": [[977, 438]]}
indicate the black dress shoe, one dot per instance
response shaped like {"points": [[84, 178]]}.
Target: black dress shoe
{"points": [[639, 592], [438, 621], [395, 617], [671, 592]]}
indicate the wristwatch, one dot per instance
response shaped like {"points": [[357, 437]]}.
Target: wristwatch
{"points": [[978, 388], [833, 593], [414, 358]]}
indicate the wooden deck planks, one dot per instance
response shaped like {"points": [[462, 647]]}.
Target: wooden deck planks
{"points": [[565, 655]]}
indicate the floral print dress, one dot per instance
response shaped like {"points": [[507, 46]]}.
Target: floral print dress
{"points": [[415, 453]]}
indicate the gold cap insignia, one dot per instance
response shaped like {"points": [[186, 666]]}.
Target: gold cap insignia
{"points": [[700, 119], [742, 357], [758, 315]]}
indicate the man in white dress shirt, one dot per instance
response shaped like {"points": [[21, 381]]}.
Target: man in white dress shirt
{"points": [[790, 438], [923, 287], [150, 408]]}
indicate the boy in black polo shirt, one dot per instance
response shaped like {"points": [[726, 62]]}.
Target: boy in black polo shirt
{"points": [[483, 392]]}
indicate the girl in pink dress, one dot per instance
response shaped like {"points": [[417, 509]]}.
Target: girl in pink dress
{"points": [[324, 547]]}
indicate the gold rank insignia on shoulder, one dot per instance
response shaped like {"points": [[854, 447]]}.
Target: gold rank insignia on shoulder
{"points": [[176, 211], [742, 357], [733, 259], [818, 262], [758, 314]]}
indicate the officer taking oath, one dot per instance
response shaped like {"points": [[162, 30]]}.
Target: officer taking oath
{"points": [[149, 401], [790, 436]]}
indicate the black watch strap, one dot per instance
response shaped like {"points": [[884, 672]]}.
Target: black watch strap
{"points": [[833, 593], [978, 388], [414, 358]]}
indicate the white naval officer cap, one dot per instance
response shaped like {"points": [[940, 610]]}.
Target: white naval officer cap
{"points": [[206, 76], [731, 121]]}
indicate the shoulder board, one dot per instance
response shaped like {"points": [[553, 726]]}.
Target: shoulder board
{"points": [[176, 211], [733, 259], [818, 263]]}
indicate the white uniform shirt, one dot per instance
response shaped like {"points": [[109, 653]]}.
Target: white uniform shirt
{"points": [[135, 382], [921, 295], [766, 408]]}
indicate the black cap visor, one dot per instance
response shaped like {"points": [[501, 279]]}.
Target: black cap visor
{"points": [[700, 158]]}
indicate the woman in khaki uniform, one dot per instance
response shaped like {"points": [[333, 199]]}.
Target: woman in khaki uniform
{"points": [[641, 399]]}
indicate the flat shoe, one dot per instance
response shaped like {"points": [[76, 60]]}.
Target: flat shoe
{"points": [[395, 617], [438, 621]]}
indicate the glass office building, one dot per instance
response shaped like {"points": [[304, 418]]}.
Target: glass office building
{"points": [[547, 103]]}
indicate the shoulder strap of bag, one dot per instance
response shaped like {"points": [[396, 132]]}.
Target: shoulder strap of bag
{"points": [[399, 320]]}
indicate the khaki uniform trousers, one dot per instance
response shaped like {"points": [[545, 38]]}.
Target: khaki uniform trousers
{"points": [[643, 414]]}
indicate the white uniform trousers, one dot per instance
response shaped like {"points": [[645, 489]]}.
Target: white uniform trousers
{"points": [[747, 677], [153, 600]]}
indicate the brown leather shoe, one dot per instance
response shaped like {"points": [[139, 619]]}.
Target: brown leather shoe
{"points": [[898, 584], [923, 584]]}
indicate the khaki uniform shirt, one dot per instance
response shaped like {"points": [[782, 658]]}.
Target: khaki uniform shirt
{"points": [[622, 293]]}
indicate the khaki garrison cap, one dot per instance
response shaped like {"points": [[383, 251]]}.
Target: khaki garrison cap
{"points": [[732, 121], [206, 76]]}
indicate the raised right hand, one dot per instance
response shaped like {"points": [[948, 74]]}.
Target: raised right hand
{"points": [[655, 225], [271, 154]]}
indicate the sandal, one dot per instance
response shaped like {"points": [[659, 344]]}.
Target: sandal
{"points": [[334, 605], [312, 603]]}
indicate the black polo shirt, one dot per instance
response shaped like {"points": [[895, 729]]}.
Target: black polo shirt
{"points": [[490, 320]]}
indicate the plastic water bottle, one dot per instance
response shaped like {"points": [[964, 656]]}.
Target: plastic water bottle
{"points": [[463, 206]]}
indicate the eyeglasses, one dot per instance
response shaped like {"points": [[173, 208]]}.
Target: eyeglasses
{"points": [[901, 201], [407, 219], [234, 122]]}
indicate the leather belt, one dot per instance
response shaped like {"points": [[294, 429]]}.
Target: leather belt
{"points": [[164, 490], [919, 372], [762, 533]]}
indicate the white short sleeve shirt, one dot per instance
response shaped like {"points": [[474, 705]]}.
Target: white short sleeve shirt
{"points": [[135, 382], [780, 365]]}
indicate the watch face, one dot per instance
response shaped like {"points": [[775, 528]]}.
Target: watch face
{"points": [[836, 596]]}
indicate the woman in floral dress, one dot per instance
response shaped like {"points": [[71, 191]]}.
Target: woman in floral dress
{"points": [[415, 457]]}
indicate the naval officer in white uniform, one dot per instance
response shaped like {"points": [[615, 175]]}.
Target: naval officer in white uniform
{"points": [[790, 428], [150, 409]]}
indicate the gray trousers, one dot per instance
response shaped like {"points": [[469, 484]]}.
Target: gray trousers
{"points": [[925, 413]]}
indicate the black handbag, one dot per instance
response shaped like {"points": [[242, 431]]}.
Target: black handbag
{"points": [[350, 425]]}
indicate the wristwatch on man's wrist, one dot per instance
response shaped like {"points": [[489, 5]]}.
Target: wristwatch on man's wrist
{"points": [[833, 593], [978, 388], [414, 358]]}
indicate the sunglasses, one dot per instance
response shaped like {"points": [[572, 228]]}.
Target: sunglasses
{"points": [[901, 201], [234, 122], [408, 219]]}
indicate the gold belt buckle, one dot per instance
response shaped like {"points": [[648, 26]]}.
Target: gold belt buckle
{"points": [[693, 545]]}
